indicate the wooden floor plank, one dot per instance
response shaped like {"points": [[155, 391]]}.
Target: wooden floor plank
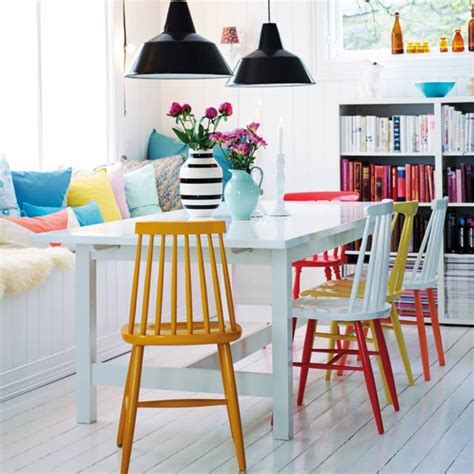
{"points": [[433, 427]]}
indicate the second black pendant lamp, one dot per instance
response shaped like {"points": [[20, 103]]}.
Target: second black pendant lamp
{"points": [[270, 65], [178, 52]]}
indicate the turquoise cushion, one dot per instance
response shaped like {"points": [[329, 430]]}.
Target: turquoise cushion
{"points": [[88, 214], [42, 188], [8, 201], [140, 191], [161, 146]]}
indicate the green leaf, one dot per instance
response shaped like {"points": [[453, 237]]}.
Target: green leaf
{"points": [[181, 135]]}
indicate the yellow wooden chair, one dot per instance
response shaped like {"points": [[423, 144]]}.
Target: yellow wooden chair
{"points": [[342, 289], [190, 331]]}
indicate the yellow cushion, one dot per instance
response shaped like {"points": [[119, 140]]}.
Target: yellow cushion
{"points": [[94, 188]]}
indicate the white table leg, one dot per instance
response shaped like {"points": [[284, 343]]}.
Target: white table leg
{"points": [[282, 346], [86, 335]]}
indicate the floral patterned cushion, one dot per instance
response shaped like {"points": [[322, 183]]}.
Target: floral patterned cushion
{"points": [[166, 176]]}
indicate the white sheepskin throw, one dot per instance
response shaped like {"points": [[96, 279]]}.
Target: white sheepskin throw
{"points": [[25, 268]]}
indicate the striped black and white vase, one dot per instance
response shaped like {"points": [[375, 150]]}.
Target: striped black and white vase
{"points": [[200, 183]]}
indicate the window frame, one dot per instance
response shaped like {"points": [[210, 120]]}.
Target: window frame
{"points": [[332, 58]]}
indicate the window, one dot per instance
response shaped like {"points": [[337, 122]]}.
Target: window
{"points": [[53, 92], [365, 25]]}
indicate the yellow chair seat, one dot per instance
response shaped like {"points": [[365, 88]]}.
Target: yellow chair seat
{"points": [[198, 335], [342, 289]]}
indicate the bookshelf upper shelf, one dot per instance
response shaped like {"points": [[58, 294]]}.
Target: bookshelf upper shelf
{"points": [[461, 154], [390, 153], [409, 100]]}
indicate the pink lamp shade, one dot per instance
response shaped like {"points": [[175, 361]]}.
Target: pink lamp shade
{"points": [[229, 35]]}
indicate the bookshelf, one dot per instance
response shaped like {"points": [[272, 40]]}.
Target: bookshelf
{"points": [[456, 287]]}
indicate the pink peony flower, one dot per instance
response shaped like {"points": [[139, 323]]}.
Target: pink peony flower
{"points": [[186, 108], [211, 113], [226, 109], [175, 110]]}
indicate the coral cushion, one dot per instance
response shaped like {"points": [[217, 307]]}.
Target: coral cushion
{"points": [[94, 188]]}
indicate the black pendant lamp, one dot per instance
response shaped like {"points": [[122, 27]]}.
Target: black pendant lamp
{"points": [[179, 52], [270, 65]]}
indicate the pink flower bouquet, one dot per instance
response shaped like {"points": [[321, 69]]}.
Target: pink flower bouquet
{"points": [[196, 133], [240, 145]]}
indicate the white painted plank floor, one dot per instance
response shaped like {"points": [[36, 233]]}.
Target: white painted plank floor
{"points": [[334, 430]]}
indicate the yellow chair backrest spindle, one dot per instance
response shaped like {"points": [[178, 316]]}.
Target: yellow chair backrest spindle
{"points": [[186, 241]]}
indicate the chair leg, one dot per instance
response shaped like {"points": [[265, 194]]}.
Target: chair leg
{"points": [[420, 323], [380, 362], [220, 351], [333, 329], [124, 403], [369, 376], [436, 329], [337, 272], [228, 378], [387, 366], [328, 273], [294, 321], [345, 345], [297, 283], [402, 347], [306, 359], [131, 409]]}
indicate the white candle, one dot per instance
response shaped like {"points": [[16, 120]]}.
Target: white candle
{"points": [[259, 110], [280, 136]]}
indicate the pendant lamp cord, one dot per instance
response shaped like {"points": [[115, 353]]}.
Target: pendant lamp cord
{"points": [[124, 26], [268, 9]]}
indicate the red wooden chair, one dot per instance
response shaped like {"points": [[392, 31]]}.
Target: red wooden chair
{"points": [[331, 261]]}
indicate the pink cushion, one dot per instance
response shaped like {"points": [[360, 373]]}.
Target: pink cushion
{"points": [[115, 175]]}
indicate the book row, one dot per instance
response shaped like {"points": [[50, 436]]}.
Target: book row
{"points": [[458, 131], [399, 133], [375, 182], [459, 234], [459, 183]]}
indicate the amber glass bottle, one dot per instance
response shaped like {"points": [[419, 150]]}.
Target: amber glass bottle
{"points": [[443, 44], [470, 29], [397, 37], [458, 42]]}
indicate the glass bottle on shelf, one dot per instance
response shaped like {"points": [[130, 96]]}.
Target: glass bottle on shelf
{"points": [[443, 44], [470, 29], [397, 37], [458, 42], [426, 47]]}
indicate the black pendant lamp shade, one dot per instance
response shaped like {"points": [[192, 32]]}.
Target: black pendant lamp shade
{"points": [[270, 65], [179, 52]]}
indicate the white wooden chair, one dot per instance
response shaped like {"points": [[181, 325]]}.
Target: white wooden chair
{"points": [[372, 307], [424, 277]]}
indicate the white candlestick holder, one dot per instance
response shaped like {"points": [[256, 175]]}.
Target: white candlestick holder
{"points": [[279, 210]]}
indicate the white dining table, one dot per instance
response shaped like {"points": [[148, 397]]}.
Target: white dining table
{"points": [[309, 229]]}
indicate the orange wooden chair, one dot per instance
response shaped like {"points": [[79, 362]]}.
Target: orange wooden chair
{"points": [[191, 331]]}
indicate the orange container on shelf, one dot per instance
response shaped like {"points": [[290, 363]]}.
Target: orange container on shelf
{"points": [[470, 30], [443, 44], [397, 36], [458, 41]]}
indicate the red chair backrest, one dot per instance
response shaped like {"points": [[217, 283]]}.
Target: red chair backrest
{"points": [[322, 196]]}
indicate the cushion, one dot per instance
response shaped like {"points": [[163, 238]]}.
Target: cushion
{"points": [[96, 188], [17, 231], [166, 177], [140, 189], [41, 188], [89, 214], [115, 175], [161, 146], [8, 202]]}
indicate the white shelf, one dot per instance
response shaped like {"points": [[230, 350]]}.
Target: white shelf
{"points": [[388, 153], [409, 100], [459, 256], [461, 204], [457, 153]]}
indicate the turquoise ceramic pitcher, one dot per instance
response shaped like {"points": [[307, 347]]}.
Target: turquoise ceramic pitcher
{"points": [[242, 193]]}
